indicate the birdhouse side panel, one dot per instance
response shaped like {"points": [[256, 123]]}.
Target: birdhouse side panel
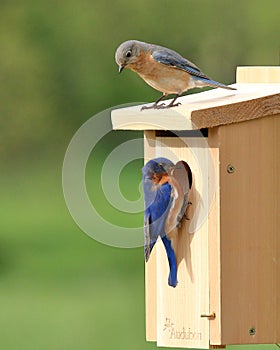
{"points": [[250, 221]]}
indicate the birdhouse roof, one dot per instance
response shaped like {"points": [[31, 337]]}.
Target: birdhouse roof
{"points": [[205, 109]]}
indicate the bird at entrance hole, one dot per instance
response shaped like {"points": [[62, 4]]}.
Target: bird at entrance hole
{"points": [[166, 191]]}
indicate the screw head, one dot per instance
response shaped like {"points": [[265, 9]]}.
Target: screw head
{"points": [[252, 331], [230, 169]]}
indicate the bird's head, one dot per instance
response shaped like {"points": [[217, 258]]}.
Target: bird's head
{"points": [[127, 53], [156, 168]]}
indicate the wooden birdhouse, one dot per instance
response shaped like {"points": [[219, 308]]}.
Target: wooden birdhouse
{"points": [[228, 251]]}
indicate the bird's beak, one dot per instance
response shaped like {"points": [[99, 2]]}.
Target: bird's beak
{"points": [[121, 67]]}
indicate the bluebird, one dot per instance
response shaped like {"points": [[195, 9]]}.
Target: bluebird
{"points": [[163, 69], [166, 189]]}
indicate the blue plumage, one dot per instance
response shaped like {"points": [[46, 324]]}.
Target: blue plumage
{"points": [[162, 190]]}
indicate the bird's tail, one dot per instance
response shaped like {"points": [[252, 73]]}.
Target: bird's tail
{"points": [[201, 82]]}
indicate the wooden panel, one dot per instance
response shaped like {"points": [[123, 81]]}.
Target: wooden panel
{"points": [[214, 243], [178, 309], [238, 112], [150, 267], [258, 74], [250, 222]]}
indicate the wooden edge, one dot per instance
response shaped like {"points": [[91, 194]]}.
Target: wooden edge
{"points": [[261, 74], [214, 242], [150, 266], [237, 112]]}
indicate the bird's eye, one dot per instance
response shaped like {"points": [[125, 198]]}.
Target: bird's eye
{"points": [[128, 54]]}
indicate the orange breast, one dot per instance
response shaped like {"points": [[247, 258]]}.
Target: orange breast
{"points": [[167, 79]]}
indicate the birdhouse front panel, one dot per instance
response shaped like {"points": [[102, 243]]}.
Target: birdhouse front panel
{"points": [[177, 318]]}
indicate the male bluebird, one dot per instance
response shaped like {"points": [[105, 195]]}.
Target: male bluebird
{"points": [[163, 69], [166, 190]]}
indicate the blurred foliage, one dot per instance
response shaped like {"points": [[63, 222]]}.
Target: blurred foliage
{"points": [[57, 58], [60, 289]]}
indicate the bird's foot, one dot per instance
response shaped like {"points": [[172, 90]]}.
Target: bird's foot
{"points": [[173, 104], [161, 106], [154, 106], [185, 216]]}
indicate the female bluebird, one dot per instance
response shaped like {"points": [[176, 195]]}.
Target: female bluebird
{"points": [[166, 189], [163, 69]]}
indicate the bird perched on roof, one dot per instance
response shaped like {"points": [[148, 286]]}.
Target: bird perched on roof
{"points": [[163, 69], [166, 190]]}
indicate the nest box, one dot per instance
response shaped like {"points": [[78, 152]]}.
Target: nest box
{"points": [[228, 251]]}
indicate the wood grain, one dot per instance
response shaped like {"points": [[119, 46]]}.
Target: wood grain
{"points": [[261, 74], [178, 309], [150, 266], [249, 223], [237, 112], [214, 243]]}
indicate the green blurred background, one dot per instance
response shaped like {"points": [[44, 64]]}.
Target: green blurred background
{"points": [[60, 289]]}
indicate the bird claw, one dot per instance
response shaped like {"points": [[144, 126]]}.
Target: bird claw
{"points": [[185, 216], [154, 106], [174, 104], [161, 106], [146, 107]]}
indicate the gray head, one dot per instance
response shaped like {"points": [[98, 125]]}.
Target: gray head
{"points": [[128, 52]]}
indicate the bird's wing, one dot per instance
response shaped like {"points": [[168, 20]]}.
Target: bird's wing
{"points": [[157, 203], [173, 59], [181, 182]]}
